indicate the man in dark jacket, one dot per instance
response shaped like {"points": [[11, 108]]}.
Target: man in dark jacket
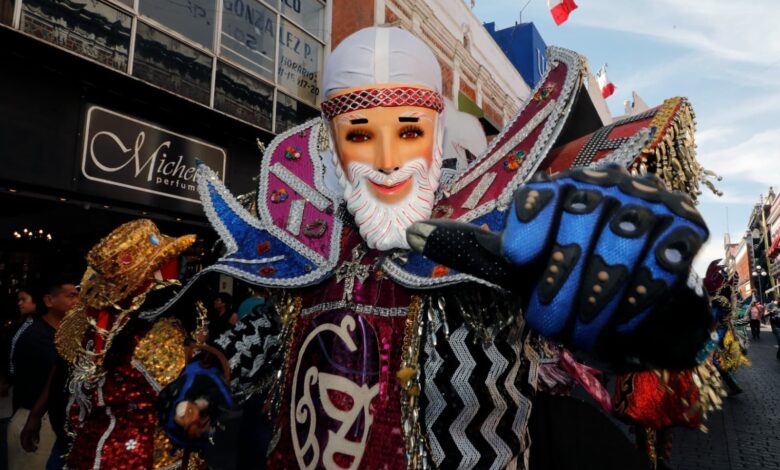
{"points": [[38, 404]]}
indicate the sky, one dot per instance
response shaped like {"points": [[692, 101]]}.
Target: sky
{"points": [[723, 55]]}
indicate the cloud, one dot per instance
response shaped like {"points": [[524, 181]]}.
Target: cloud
{"points": [[756, 159], [711, 250], [670, 70], [714, 136], [751, 108], [730, 196], [735, 31]]}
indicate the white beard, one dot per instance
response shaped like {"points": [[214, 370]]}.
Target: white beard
{"points": [[383, 226]]}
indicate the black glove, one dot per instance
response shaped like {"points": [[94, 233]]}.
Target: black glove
{"points": [[602, 258]]}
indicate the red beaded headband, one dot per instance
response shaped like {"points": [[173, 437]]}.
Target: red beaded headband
{"points": [[382, 97]]}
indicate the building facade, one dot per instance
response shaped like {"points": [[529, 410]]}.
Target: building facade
{"points": [[106, 105], [477, 76], [758, 240], [773, 224], [742, 264], [524, 47]]}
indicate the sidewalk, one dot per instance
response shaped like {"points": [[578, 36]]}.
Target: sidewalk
{"points": [[745, 435]]}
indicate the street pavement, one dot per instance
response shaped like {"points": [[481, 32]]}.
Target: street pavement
{"points": [[745, 435]]}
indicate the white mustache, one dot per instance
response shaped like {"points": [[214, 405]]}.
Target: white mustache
{"points": [[359, 171]]}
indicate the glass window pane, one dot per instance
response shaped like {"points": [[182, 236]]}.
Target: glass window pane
{"points": [[290, 113], [7, 11], [308, 13], [89, 28], [171, 64], [192, 18], [300, 62], [248, 32], [244, 97]]}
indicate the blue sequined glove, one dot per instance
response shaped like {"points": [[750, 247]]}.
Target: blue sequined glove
{"points": [[602, 258], [191, 406]]}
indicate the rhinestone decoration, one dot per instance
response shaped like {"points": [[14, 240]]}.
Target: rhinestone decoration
{"points": [[267, 271], [315, 229], [439, 271], [513, 163], [299, 186], [292, 153], [131, 444], [479, 190], [263, 248], [351, 271], [543, 94], [382, 97], [442, 211], [279, 195]]}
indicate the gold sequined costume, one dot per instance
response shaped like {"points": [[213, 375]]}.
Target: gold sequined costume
{"points": [[120, 361]]}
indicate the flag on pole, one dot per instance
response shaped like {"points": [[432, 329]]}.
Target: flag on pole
{"points": [[607, 88], [560, 9]]}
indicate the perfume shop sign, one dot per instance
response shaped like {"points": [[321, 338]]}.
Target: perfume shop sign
{"points": [[124, 152]]}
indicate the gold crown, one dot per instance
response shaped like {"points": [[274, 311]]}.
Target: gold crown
{"points": [[125, 261]]}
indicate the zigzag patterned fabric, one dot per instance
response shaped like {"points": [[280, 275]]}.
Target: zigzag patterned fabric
{"points": [[475, 415]]}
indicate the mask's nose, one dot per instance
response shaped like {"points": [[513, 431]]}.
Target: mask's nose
{"points": [[385, 161]]}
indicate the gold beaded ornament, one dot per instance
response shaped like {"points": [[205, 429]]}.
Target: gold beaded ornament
{"points": [[121, 263]]}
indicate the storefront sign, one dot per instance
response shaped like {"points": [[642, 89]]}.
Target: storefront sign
{"points": [[125, 152]]}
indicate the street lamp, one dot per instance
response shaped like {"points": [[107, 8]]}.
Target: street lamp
{"points": [[760, 273]]}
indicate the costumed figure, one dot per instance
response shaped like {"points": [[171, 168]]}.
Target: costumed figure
{"points": [[657, 400], [730, 354], [391, 357], [122, 355]]}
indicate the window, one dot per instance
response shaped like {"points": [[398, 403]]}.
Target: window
{"points": [[268, 54], [248, 32], [245, 97], [290, 112], [171, 64], [194, 19], [7, 11], [300, 56], [307, 13], [89, 28]]}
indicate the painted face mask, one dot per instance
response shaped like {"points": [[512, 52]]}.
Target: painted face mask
{"points": [[384, 106], [388, 160]]}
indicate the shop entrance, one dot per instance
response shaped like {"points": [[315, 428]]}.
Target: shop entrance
{"points": [[42, 235]]}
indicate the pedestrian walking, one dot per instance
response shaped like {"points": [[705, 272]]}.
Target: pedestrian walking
{"points": [[39, 392], [756, 313]]}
